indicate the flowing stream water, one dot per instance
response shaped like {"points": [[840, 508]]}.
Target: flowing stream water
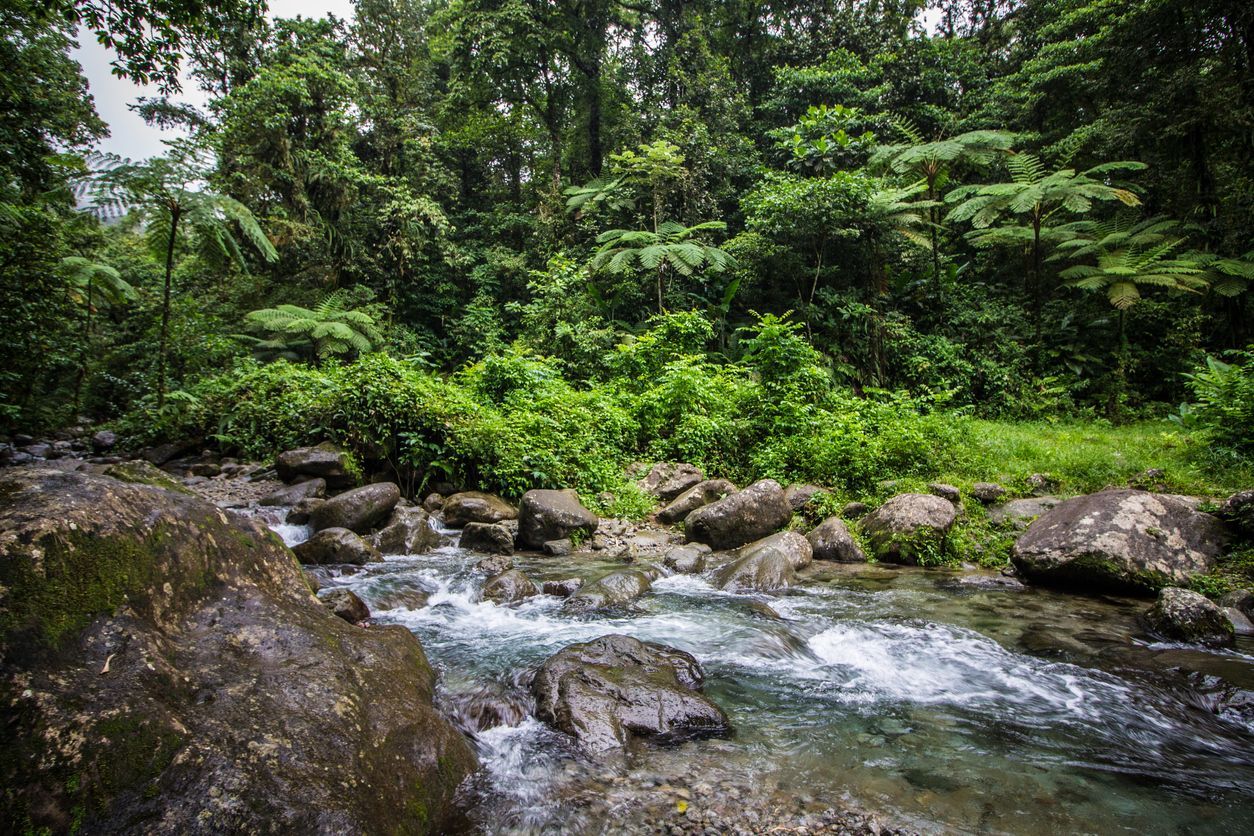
{"points": [[942, 708]]}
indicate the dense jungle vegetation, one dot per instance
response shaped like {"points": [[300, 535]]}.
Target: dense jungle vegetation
{"points": [[520, 243]]}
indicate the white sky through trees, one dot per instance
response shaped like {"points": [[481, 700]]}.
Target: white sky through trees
{"points": [[129, 135]]}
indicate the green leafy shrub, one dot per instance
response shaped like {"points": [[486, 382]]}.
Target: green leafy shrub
{"points": [[1224, 407]]}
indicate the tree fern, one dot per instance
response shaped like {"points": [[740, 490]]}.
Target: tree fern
{"points": [[326, 330], [673, 246]]}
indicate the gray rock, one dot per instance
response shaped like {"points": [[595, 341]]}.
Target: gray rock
{"points": [[345, 604], [1238, 510], [558, 548], [140, 472], [766, 565], [563, 588], [667, 480], [291, 494], [988, 492], [495, 564], [400, 596], [996, 583], [700, 494], [509, 587], [489, 538], [1122, 540], [336, 545], [473, 506], [855, 510], [163, 453], [799, 496], [612, 590], [202, 689], [687, 560], [831, 540], [1241, 623], [104, 441], [1042, 484], [359, 509], [408, 531], [323, 460], [303, 510], [1019, 513], [1240, 599], [1187, 616], [610, 690], [546, 515], [949, 493], [740, 518], [434, 502], [909, 527]]}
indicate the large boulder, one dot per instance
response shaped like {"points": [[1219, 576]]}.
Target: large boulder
{"points": [[766, 565], [315, 488], [408, 531], [668, 480], [743, 517], [612, 689], [909, 528], [332, 546], [831, 540], [473, 506], [801, 496], [489, 538], [613, 590], [509, 587], [1121, 540], [702, 493], [1187, 616], [325, 460], [546, 515], [360, 509], [155, 673]]}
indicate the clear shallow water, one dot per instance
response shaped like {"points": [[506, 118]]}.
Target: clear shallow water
{"points": [[945, 710]]}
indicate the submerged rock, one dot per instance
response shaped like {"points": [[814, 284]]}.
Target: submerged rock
{"points": [[831, 540], [345, 604], [703, 493], [563, 588], [509, 587], [687, 560], [155, 668], [909, 527], [360, 509], [494, 564], [740, 518], [1122, 540], [1187, 616], [323, 460], [546, 515], [489, 538], [613, 590], [667, 480], [472, 506], [612, 689], [336, 545], [408, 531], [766, 565]]}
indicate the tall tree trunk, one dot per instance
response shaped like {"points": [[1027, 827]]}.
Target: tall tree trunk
{"points": [[165, 307]]}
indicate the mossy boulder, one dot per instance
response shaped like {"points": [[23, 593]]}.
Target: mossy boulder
{"points": [[1184, 615], [140, 472], [1119, 540], [473, 506], [324, 460], [155, 669], [545, 515], [910, 528]]}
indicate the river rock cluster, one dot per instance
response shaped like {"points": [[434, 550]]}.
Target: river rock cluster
{"points": [[140, 617]]}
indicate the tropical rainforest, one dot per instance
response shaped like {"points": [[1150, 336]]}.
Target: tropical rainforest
{"points": [[522, 243]]}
